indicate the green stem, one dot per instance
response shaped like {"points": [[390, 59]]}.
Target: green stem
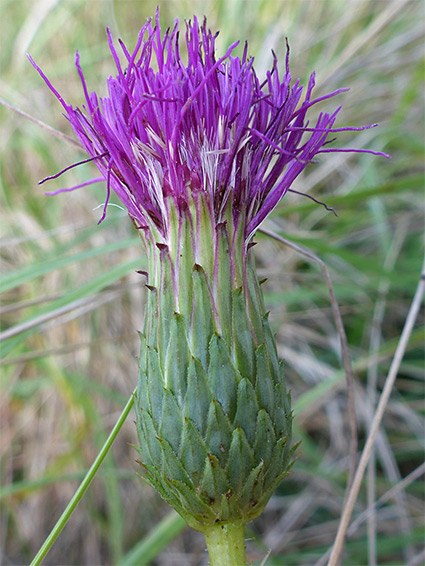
{"points": [[63, 519], [226, 544]]}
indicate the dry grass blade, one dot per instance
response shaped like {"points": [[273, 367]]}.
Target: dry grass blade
{"points": [[390, 494], [25, 304], [367, 35], [49, 129], [263, 562], [42, 318], [372, 385], [383, 401], [418, 560], [91, 303]]}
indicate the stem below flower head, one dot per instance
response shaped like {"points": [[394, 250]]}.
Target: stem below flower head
{"points": [[226, 544]]}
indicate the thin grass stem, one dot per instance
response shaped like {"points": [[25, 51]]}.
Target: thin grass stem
{"points": [[383, 401], [344, 346], [372, 385], [49, 129], [64, 518]]}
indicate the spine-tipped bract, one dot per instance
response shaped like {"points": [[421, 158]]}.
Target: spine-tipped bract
{"points": [[213, 414]]}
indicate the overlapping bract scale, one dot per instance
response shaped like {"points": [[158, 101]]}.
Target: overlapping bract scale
{"points": [[213, 415]]}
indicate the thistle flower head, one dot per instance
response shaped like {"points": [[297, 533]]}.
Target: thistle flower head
{"points": [[173, 128], [200, 150]]}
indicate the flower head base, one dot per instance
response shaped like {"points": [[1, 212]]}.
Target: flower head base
{"points": [[210, 126]]}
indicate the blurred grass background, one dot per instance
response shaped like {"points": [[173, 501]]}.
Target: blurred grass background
{"points": [[72, 302]]}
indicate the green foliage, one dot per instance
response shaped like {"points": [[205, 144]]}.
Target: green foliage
{"points": [[65, 380]]}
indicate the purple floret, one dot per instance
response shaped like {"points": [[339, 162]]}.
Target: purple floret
{"points": [[210, 126]]}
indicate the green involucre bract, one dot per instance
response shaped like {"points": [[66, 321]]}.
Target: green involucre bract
{"points": [[213, 414]]}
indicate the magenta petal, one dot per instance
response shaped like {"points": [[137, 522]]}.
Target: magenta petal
{"points": [[170, 128]]}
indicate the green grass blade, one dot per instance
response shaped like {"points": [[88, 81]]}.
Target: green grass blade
{"points": [[64, 518], [149, 548], [27, 273], [92, 287]]}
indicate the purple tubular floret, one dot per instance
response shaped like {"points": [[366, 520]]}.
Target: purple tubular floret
{"points": [[48, 83], [83, 82], [80, 186], [169, 128], [50, 177]]}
